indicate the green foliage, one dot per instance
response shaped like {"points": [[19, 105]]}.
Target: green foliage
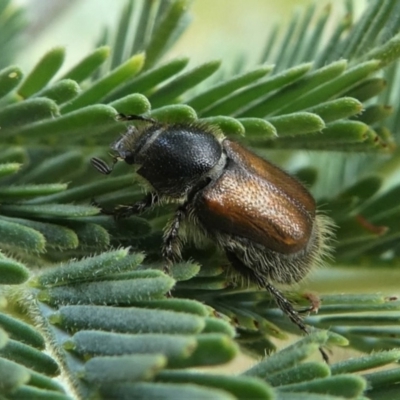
{"points": [[91, 290]]}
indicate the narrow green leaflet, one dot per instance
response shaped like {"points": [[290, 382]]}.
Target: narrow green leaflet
{"points": [[46, 68]]}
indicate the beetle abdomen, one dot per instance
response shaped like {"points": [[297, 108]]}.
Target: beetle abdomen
{"points": [[265, 265]]}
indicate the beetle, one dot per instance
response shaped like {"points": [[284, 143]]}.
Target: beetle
{"points": [[264, 220]]}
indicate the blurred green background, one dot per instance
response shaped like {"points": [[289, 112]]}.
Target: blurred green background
{"points": [[212, 33]]}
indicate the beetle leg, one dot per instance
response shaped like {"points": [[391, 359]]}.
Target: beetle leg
{"points": [[285, 305], [315, 304], [125, 211], [172, 245], [280, 299], [103, 210], [282, 302], [171, 250]]}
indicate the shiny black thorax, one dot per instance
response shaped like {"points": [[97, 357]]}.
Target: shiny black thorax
{"points": [[171, 158]]}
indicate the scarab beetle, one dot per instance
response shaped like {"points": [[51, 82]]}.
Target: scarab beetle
{"points": [[262, 218]]}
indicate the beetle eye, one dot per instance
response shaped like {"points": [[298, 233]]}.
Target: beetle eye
{"points": [[129, 158]]}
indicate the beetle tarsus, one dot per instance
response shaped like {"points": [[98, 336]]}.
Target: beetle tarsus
{"points": [[285, 305], [134, 117], [282, 302], [103, 210], [324, 355], [125, 211], [315, 304]]}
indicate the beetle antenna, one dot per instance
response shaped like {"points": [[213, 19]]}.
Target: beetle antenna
{"points": [[102, 166]]}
